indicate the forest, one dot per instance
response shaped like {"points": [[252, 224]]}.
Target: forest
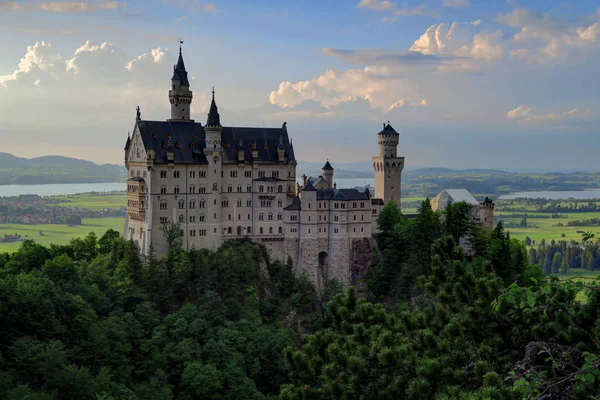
{"points": [[428, 320]]}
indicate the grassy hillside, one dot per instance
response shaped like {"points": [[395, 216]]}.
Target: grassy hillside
{"points": [[55, 169]]}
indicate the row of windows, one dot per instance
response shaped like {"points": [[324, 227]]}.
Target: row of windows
{"points": [[202, 189], [133, 173], [261, 216], [202, 174], [135, 204], [134, 189]]}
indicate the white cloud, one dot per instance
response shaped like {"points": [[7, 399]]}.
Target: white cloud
{"points": [[525, 114], [406, 103], [377, 5], [542, 38], [486, 46], [446, 38], [456, 3], [40, 58], [155, 57], [78, 7], [64, 7]]}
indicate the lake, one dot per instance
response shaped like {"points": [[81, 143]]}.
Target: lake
{"points": [[60, 189], [554, 195]]}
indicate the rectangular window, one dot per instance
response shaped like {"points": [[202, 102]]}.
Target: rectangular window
{"points": [[261, 174], [233, 174], [202, 232], [202, 174], [247, 174]]}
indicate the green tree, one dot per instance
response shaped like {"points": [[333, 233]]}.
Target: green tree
{"points": [[458, 221]]}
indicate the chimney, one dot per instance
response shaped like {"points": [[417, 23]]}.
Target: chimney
{"points": [[303, 180]]}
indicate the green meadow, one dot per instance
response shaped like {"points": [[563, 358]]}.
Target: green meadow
{"points": [[59, 234], [94, 201], [545, 228]]}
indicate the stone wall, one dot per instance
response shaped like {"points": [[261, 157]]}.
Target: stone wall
{"points": [[339, 260]]}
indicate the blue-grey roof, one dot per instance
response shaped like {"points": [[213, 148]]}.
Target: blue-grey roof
{"points": [[191, 137], [388, 130], [341, 194], [308, 186], [179, 72], [327, 166], [295, 205], [128, 143], [213, 118]]}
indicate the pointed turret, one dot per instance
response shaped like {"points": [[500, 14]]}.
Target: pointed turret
{"points": [[327, 173], [180, 95], [213, 115], [179, 72]]}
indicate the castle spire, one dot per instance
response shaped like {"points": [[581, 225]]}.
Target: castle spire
{"points": [[179, 72], [180, 95], [213, 115]]}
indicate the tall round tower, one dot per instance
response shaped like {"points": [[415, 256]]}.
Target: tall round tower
{"points": [[180, 95], [388, 166]]}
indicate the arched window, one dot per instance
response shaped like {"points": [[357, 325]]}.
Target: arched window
{"points": [[270, 229], [261, 188], [163, 205], [261, 230], [176, 190], [270, 216], [181, 219], [280, 189], [279, 216], [192, 188], [163, 190], [261, 216], [181, 204], [249, 230], [239, 231]]}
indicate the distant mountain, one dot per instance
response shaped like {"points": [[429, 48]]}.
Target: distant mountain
{"points": [[56, 169]]}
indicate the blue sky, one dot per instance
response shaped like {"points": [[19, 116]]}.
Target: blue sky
{"points": [[467, 83]]}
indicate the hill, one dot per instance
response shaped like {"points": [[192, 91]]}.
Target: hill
{"points": [[55, 169]]}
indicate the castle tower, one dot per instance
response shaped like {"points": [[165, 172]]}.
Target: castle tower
{"points": [[180, 95], [213, 152], [327, 174], [487, 213], [388, 166]]}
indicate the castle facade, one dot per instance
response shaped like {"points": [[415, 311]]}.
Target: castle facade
{"points": [[220, 183]]}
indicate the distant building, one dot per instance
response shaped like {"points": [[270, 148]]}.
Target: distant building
{"points": [[221, 183], [482, 213]]}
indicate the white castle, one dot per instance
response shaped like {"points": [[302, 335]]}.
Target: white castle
{"points": [[221, 183]]}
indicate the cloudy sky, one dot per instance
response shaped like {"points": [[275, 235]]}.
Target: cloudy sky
{"points": [[467, 83]]}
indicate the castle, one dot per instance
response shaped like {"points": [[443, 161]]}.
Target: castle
{"points": [[221, 183]]}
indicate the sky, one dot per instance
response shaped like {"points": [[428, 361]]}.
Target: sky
{"points": [[499, 84]]}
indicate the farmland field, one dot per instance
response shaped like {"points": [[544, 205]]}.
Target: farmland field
{"points": [[544, 228], [59, 234], [94, 201]]}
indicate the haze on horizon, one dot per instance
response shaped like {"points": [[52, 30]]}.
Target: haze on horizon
{"points": [[468, 84]]}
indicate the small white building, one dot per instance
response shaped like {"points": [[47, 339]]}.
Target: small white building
{"points": [[483, 212]]}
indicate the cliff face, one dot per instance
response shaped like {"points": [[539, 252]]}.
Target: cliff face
{"points": [[361, 258]]}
